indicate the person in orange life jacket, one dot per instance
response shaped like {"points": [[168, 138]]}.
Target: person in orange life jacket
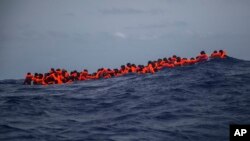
{"points": [[185, 61], [92, 76], [58, 71], [202, 57], [28, 79], [165, 60], [65, 73], [215, 54], [178, 62], [139, 69], [123, 70], [167, 63], [100, 72], [65, 76], [106, 75], [59, 76], [117, 73], [223, 54], [155, 66], [192, 61], [49, 79], [73, 76], [52, 70], [143, 69], [174, 58], [35, 78], [40, 80], [133, 68], [158, 65], [83, 75], [111, 72], [150, 67], [128, 66], [160, 62]]}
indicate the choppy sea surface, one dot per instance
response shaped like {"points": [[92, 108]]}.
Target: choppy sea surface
{"points": [[195, 103]]}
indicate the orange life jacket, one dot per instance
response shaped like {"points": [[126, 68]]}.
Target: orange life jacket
{"points": [[168, 65], [202, 57], [215, 55], [223, 55], [133, 69], [107, 76], [178, 63], [30, 76], [151, 69]]}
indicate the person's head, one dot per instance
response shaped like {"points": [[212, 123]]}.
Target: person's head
{"points": [[28, 73], [159, 60], [215, 51], [133, 65], [40, 76], [85, 70], [128, 65], [122, 67], [58, 71], [153, 65], [116, 70], [174, 56], [192, 58], [149, 62], [52, 70], [221, 51], [178, 59], [202, 52]]}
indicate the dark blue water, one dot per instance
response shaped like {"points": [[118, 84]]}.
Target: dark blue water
{"points": [[193, 103]]}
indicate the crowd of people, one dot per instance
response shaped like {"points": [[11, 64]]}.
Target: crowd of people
{"points": [[60, 76]]}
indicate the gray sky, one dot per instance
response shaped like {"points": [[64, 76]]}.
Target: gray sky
{"points": [[76, 34]]}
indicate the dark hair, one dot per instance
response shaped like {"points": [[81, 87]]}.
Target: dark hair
{"points": [[202, 52], [215, 51], [178, 59], [40, 76]]}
